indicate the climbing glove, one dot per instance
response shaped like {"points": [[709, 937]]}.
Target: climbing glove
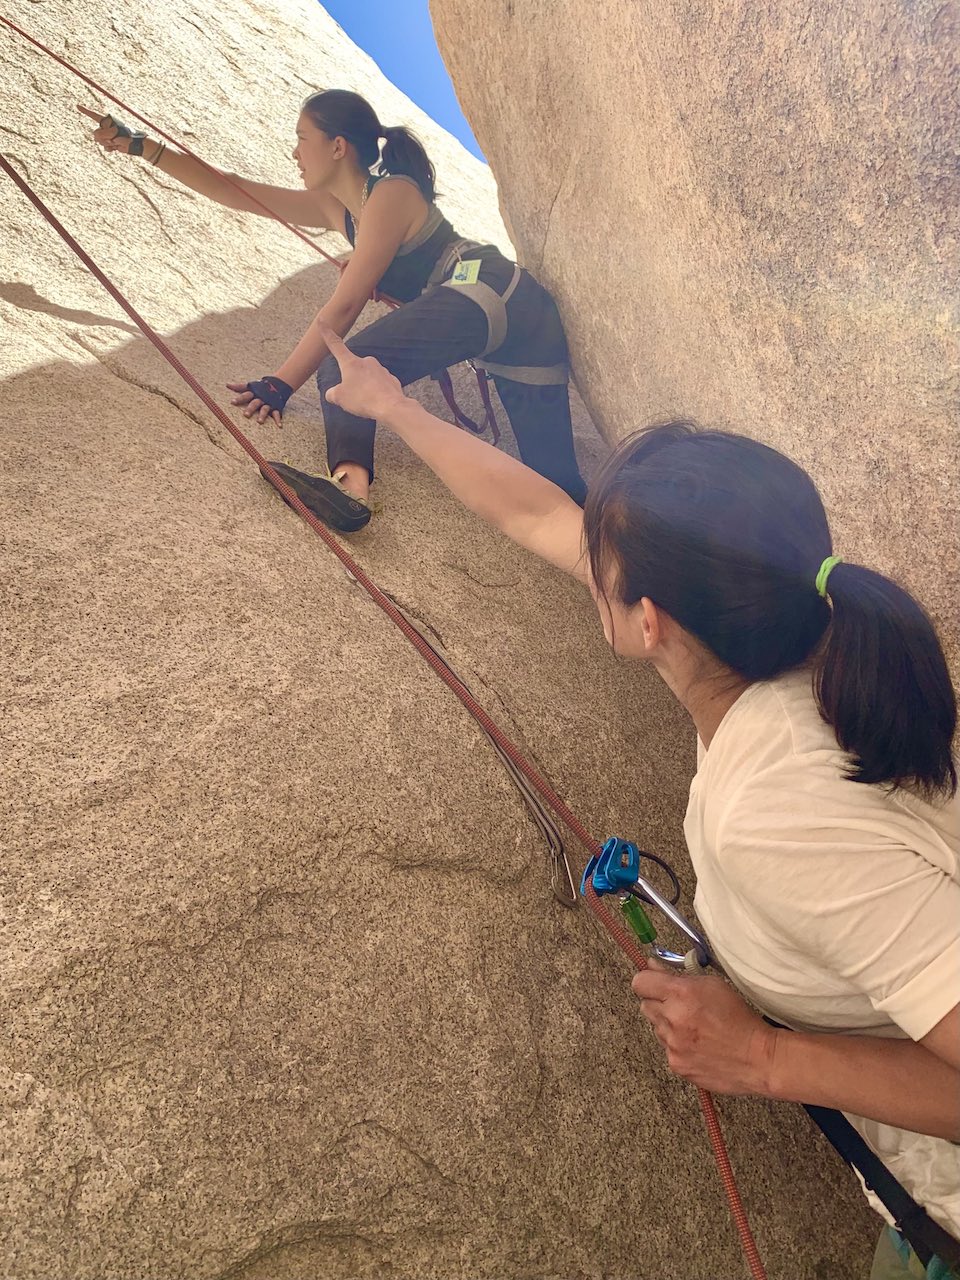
{"points": [[123, 131], [272, 391]]}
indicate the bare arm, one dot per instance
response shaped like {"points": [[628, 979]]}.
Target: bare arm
{"points": [[386, 220], [528, 508], [305, 208], [915, 1086], [715, 1040]]}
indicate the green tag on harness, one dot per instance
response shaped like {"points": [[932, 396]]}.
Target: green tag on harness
{"points": [[467, 272]]}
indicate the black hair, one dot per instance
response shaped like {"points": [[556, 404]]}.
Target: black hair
{"points": [[727, 535], [343, 114]]}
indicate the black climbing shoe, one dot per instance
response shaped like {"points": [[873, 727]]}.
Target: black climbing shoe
{"points": [[325, 497]]}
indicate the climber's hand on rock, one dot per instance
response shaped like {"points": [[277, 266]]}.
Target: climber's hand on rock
{"points": [[110, 134], [367, 389], [263, 399]]}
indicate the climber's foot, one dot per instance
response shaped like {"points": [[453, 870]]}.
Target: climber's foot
{"points": [[326, 497], [354, 478]]}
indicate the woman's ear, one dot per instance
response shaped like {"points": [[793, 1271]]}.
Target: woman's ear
{"points": [[651, 626]]}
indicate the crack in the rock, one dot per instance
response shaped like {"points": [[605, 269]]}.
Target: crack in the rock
{"points": [[16, 134], [79, 1171], [151, 390], [458, 568], [131, 181], [553, 204], [102, 1069], [474, 873], [469, 679], [295, 1233], [298, 1233], [13, 158], [415, 617], [404, 1145]]}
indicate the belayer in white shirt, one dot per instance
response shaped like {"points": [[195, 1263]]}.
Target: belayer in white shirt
{"points": [[823, 819]]}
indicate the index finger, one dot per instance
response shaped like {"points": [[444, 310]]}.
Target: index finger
{"points": [[335, 344], [94, 115], [653, 985]]}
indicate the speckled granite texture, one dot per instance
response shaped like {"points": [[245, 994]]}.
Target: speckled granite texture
{"points": [[284, 995], [749, 213]]}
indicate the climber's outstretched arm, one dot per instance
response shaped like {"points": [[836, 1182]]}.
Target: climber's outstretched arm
{"points": [[299, 206], [530, 509]]}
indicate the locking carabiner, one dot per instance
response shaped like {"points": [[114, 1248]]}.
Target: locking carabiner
{"points": [[616, 869]]}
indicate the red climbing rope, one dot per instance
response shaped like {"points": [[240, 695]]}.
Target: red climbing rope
{"points": [[533, 776], [459, 417], [630, 948]]}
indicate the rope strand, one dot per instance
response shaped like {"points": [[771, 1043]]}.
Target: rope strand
{"points": [[527, 770]]}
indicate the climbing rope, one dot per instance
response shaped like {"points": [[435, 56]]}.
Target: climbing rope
{"points": [[462, 420], [504, 745]]}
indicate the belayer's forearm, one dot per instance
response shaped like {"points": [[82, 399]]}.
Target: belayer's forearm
{"points": [[897, 1082], [499, 489]]}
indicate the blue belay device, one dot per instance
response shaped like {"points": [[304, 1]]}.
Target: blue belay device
{"points": [[616, 869]]}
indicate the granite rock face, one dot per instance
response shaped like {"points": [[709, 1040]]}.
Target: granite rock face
{"points": [[750, 214], [283, 989]]}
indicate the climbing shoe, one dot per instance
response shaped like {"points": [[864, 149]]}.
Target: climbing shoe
{"points": [[325, 497]]}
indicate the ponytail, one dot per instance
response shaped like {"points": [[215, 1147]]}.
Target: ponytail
{"points": [[404, 153], [882, 682], [726, 535]]}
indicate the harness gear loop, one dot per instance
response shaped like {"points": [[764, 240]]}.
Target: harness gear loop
{"points": [[445, 383]]}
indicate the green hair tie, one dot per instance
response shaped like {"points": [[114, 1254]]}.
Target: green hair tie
{"points": [[824, 573]]}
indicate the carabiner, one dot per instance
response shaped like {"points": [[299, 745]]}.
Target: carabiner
{"points": [[616, 869]]}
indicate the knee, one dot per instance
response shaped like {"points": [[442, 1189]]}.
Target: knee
{"points": [[328, 375]]}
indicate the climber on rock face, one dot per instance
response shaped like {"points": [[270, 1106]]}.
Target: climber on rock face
{"points": [[463, 300], [823, 822]]}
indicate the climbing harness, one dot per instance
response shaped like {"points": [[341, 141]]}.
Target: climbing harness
{"points": [[136, 148], [534, 783]]}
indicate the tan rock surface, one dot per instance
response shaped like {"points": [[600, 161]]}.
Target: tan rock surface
{"points": [[749, 214], [284, 993]]}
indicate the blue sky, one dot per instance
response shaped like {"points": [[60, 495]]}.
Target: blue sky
{"points": [[398, 35]]}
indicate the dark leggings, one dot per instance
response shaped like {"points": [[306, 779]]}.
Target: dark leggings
{"points": [[443, 327]]}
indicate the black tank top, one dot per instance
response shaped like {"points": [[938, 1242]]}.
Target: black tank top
{"points": [[408, 273]]}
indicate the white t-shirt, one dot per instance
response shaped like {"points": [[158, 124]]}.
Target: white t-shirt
{"points": [[834, 906]]}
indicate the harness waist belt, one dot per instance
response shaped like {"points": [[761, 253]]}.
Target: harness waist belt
{"points": [[453, 253]]}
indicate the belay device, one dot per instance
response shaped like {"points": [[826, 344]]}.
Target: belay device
{"points": [[616, 869]]}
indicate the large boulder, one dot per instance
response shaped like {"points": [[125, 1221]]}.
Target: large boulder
{"points": [[284, 991], [749, 214]]}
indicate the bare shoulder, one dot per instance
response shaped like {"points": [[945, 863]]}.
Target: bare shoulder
{"points": [[397, 187]]}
